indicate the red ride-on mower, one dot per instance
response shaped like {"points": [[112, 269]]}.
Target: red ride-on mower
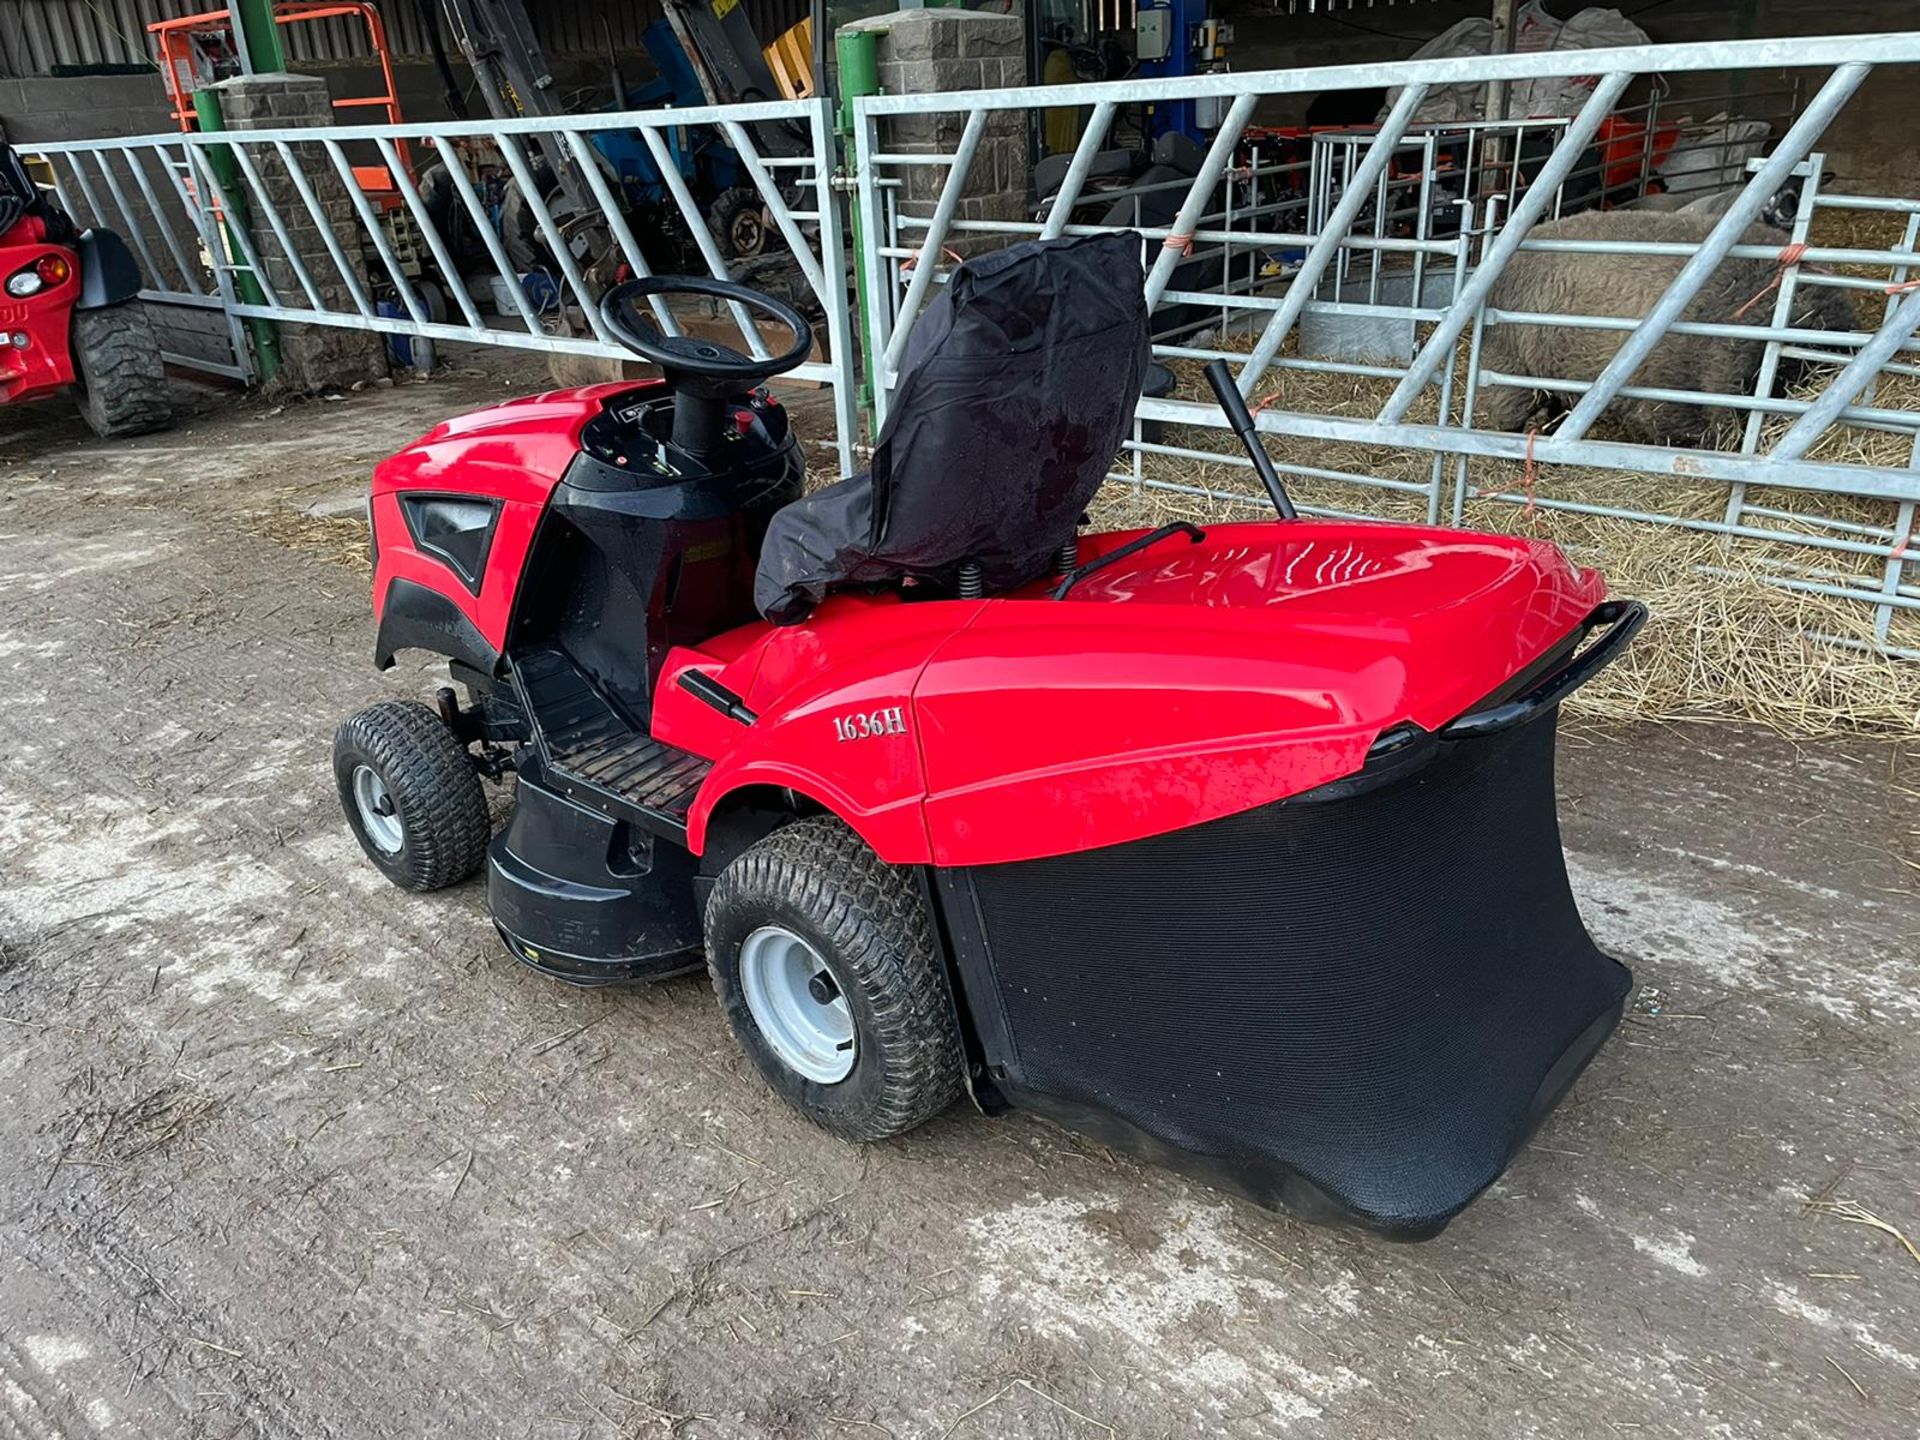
{"points": [[70, 314], [1236, 847]]}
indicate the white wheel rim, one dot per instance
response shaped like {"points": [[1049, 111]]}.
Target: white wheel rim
{"points": [[813, 1038], [378, 815]]}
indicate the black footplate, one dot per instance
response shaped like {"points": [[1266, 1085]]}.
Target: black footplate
{"points": [[595, 756]]}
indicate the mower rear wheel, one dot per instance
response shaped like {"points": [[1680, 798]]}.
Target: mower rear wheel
{"points": [[824, 960], [412, 796], [123, 380]]}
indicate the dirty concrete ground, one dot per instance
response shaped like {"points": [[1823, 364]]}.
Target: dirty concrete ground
{"points": [[286, 1152]]}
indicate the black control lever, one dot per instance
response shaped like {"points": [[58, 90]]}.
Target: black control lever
{"points": [[709, 691], [1238, 416]]}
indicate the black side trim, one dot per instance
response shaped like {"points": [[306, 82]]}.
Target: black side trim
{"points": [[108, 272], [977, 1011], [710, 692], [416, 618]]}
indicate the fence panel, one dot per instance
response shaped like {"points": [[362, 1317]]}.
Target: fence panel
{"points": [[1353, 280], [143, 189], [458, 233]]}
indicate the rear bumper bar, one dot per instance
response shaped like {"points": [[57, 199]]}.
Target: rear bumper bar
{"points": [[1619, 620]]}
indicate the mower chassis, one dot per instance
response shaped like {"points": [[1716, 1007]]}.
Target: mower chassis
{"points": [[591, 880]]}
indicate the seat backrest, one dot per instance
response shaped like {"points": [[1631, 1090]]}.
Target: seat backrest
{"points": [[1016, 390], [17, 192]]}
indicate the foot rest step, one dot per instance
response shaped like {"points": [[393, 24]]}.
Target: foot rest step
{"points": [[591, 746]]}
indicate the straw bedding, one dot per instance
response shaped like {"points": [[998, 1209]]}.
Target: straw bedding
{"points": [[1727, 642]]}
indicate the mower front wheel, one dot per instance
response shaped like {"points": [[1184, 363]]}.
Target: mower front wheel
{"points": [[123, 380], [412, 796], [824, 960]]}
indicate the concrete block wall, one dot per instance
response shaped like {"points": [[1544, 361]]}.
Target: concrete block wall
{"points": [[89, 107], [936, 51], [312, 356]]}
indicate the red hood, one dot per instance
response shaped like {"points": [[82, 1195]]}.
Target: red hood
{"points": [[514, 453], [1182, 684], [517, 450]]}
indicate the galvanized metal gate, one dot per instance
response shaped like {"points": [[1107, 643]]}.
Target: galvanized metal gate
{"points": [[1359, 242], [1372, 259], [147, 189], [381, 257]]}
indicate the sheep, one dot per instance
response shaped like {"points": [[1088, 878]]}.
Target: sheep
{"points": [[1627, 285], [1779, 209]]}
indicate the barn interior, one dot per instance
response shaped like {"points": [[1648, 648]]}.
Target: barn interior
{"points": [[82, 69]]}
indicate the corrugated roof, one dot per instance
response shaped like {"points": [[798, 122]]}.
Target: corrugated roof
{"points": [[37, 35]]}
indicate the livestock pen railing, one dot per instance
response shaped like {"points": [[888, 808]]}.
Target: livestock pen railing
{"points": [[144, 189], [1356, 291], [1354, 282], [467, 236]]}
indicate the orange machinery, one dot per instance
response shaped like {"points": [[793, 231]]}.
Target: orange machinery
{"points": [[196, 50]]}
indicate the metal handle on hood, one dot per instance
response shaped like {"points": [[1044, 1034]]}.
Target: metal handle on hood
{"points": [[1625, 617]]}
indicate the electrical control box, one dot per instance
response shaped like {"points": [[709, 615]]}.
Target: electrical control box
{"points": [[1153, 34]]}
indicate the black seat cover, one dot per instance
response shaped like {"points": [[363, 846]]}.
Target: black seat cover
{"points": [[19, 196], [1017, 387]]}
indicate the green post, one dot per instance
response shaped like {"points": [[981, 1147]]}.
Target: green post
{"points": [[266, 339], [257, 28], [859, 55]]}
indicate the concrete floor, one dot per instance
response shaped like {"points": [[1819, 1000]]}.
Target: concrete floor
{"points": [[286, 1152]]}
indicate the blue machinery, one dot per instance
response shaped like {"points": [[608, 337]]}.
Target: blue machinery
{"points": [[675, 85], [1178, 37]]}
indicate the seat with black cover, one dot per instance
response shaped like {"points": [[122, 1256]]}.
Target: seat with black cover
{"points": [[20, 197], [1017, 388]]}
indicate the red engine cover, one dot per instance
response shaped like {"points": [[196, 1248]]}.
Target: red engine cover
{"points": [[1185, 683], [514, 453]]}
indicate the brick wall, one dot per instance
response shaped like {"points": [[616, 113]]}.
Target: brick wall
{"points": [[927, 51]]}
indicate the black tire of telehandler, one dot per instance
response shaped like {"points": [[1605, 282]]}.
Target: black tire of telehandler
{"points": [[432, 784], [868, 920], [738, 220], [123, 380]]}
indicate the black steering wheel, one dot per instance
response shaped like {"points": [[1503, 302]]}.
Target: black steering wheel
{"points": [[691, 363], [702, 374]]}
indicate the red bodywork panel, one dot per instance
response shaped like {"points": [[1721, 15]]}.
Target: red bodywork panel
{"points": [[1183, 684], [45, 366], [514, 453], [856, 655]]}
